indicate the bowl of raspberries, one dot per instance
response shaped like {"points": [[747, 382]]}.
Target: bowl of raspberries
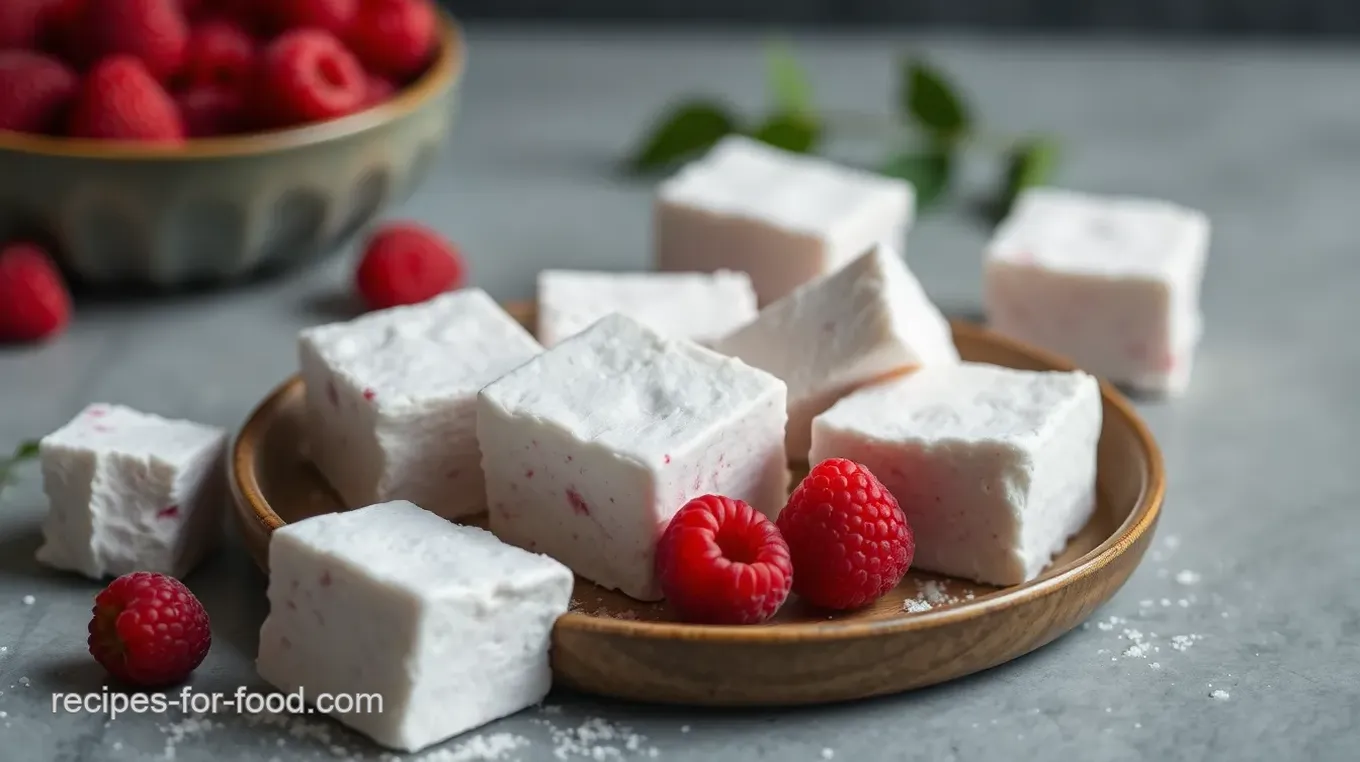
{"points": [[184, 142]]}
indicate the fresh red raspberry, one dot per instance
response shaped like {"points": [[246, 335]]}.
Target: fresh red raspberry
{"points": [[21, 22], [209, 111], [407, 263], [310, 76], [62, 31], [849, 538], [394, 37], [221, 54], [120, 100], [148, 630], [334, 16], [379, 90], [152, 30], [34, 91], [248, 14], [720, 561], [34, 303]]}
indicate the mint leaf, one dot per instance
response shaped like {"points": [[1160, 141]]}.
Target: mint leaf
{"points": [[686, 130], [789, 85], [929, 99], [790, 132], [1030, 163], [25, 451], [928, 170]]}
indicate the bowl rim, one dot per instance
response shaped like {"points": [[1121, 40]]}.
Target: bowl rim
{"points": [[444, 71], [1140, 521]]}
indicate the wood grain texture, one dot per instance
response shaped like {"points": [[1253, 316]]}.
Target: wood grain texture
{"points": [[611, 645]]}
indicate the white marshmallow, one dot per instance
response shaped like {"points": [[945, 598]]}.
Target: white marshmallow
{"points": [[130, 491], [698, 306], [1111, 282], [784, 218], [868, 321], [995, 468], [591, 447], [391, 399], [448, 625]]}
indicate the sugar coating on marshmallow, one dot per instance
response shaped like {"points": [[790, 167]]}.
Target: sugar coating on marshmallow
{"points": [[391, 399], [995, 468], [698, 306], [591, 447], [130, 491], [1111, 282], [870, 320], [784, 218], [450, 626]]}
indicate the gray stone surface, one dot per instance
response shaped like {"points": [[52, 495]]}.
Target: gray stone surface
{"points": [[1259, 506]]}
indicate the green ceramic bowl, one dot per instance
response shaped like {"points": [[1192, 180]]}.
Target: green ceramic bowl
{"points": [[225, 208]]}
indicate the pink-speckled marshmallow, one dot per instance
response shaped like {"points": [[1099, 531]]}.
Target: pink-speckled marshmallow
{"points": [[392, 399], [1111, 282], [995, 468], [592, 446]]}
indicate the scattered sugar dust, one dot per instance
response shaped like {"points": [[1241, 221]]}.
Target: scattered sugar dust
{"points": [[932, 594], [29, 600], [597, 739], [828, 753], [478, 748], [1219, 695], [1187, 577]]}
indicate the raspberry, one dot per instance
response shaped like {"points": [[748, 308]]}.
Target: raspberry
{"points": [[34, 91], [721, 562], [849, 539], [120, 100], [62, 31], [34, 304], [394, 37], [152, 30], [220, 54], [378, 90], [407, 263], [309, 76], [334, 16], [148, 630], [21, 22], [209, 111]]}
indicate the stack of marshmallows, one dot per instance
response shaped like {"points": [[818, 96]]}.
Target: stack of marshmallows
{"points": [[782, 325]]}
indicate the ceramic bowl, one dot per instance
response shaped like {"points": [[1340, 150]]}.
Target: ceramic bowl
{"points": [[223, 209]]}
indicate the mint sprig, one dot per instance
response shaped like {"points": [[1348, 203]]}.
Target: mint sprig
{"points": [[928, 98], [933, 127], [27, 450], [686, 131]]}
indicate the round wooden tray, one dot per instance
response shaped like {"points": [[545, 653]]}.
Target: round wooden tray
{"points": [[612, 645]]}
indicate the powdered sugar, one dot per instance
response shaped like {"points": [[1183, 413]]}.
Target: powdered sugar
{"points": [[1219, 695], [828, 753], [598, 739], [1183, 643], [1187, 577], [934, 593], [29, 600], [915, 606], [478, 748]]}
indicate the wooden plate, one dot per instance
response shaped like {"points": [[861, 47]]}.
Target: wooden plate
{"points": [[612, 645]]}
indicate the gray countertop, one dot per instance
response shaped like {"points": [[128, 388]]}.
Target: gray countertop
{"points": [[1250, 588]]}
